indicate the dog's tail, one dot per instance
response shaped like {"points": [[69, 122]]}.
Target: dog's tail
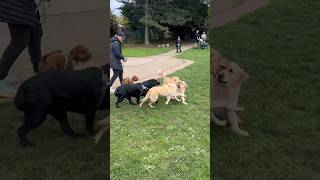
{"points": [[49, 54], [103, 123], [161, 73]]}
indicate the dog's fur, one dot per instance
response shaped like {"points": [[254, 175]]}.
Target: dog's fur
{"points": [[58, 60], [57, 92], [169, 91], [227, 78], [168, 80], [103, 127], [130, 80], [182, 86], [174, 80], [134, 90]]}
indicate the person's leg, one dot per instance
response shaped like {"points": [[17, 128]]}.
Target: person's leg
{"points": [[121, 75], [114, 77], [20, 36], [34, 46]]}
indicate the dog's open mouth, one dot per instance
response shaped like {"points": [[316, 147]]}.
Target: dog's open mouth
{"points": [[222, 81]]}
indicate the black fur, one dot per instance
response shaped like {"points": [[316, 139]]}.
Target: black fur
{"points": [[134, 90], [56, 92]]}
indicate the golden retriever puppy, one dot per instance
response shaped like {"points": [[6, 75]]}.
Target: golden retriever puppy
{"points": [[182, 86], [169, 91], [168, 80], [129, 80], [226, 77], [103, 127], [57, 60]]}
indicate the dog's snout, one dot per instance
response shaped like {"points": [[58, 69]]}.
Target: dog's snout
{"points": [[220, 76]]}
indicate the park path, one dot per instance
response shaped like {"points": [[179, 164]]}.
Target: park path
{"points": [[235, 13], [147, 67]]}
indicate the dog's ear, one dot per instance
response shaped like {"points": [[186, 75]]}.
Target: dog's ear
{"points": [[243, 75], [135, 78]]}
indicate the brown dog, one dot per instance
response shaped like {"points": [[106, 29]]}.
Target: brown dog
{"points": [[226, 78], [129, 80], [58, 60]]}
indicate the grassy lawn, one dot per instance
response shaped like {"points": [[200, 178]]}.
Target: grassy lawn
{"points": [[131, 51], [279, 47], [55, 156], [170, 141]]}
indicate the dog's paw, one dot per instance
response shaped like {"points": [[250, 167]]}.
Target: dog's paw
{"points": [[240, 109], [185, 103], [243, 133], [220, 123]]}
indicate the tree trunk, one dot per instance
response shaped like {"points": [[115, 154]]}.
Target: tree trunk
{"points": [[146, 28]]}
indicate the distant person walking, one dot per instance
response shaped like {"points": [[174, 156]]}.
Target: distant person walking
{"points": [[116, 57], [178, 44], [197, 37], [23, 19]]}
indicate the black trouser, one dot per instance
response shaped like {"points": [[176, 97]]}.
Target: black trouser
{"points": [[116, 73], [21, 37]]}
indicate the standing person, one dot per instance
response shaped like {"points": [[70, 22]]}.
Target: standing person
{"points": [[23, 20], [197, 36], [204, 36], [116, 57], [178, 44]]}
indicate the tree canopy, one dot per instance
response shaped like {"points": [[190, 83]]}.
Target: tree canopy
{"points": [[163, 15]]}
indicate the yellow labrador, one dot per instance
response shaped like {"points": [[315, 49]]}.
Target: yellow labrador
{"points": [[168, 90], [226, 77]]}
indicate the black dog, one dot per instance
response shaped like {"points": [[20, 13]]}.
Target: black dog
{"points": [[56, 92], [134, 90]]}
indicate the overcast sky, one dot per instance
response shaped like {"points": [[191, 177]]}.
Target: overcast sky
{"points": [[115, 4]]}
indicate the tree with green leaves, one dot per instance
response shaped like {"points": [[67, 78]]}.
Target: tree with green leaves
{"points": [[164, 15]]}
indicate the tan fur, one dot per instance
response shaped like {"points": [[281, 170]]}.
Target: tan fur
{"points": [[168, 90], [103, 127], [227, 78], [168, 80], [58, 60]]}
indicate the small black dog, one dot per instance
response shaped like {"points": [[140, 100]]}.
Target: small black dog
{"points": [[134, 90], [56, 92]]}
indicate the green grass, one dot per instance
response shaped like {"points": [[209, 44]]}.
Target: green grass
{"points": [[55, 156], [144, 51], [279, 47], [170, 141]]}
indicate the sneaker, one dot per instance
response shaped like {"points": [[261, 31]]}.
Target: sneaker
{"points": [[6, 91], [112, 91]]}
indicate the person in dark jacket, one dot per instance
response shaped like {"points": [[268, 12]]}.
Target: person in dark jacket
{"points": [[178, 45], [23, 19], [116, 57]]}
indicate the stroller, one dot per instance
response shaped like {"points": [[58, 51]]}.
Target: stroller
{"points": [[179, 48], [202, 43]]}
